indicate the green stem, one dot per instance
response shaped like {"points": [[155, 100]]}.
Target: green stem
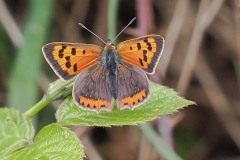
{"points": [[37, 107], [112, 18], [56, 90], [158, 143]]}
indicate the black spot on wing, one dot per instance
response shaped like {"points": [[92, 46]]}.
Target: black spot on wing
{"points": [[68, 64], [75, 67], [62, 50], [141, 62], [60, 55], [138, 46], [73, 52], [149, 48], [48, 52], [159, 42], [148, 44], [144, 52], [67, 58], [145, 58]]}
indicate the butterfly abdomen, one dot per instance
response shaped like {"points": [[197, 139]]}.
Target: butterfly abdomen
{"points": [[110, 61]]}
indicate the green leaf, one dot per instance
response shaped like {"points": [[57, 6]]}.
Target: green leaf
{"points": [[16, 131], [162, 101], [52, 142]]}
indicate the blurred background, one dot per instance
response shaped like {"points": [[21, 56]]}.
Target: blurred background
{"points": [[201, 61]]}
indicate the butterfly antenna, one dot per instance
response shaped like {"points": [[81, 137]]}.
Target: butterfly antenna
{"points": [[124, 29], [91, 32]]}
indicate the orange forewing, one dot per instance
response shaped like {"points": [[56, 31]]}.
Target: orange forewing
{"points": [[69, 59], [143, 52]]}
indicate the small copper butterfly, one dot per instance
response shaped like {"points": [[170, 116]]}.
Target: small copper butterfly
{"points": [[103, 74]]}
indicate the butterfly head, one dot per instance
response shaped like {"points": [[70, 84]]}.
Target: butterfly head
{"points": [[109, 46]]}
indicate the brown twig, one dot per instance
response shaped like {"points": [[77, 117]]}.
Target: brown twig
{"points": [[145, 17], [237, 22], [101, 23], [90, 150], [173, 34], [76, 15], [205, 16], [218, 100], [165, 128], [145, 149], [10, 25]]}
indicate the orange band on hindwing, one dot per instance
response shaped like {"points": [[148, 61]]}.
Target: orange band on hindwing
{"points": [[93, 103], [133, 100]]}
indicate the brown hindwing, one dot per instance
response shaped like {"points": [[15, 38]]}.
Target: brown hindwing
{"points": [[133, 86], [91, 90]]}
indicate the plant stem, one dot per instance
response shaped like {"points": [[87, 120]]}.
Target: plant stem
{"points": [[112, 18], [158, 143], [56, 90], [37, 107]]}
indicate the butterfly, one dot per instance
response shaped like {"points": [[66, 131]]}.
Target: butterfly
{"points": [[104, 74]]}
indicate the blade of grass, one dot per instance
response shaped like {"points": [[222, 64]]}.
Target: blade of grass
{"points": [[158, 143], [25, 74], [112, 18], [5, 59]]}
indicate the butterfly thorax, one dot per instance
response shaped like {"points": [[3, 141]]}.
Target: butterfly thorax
{"points": [[110, 61]]}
